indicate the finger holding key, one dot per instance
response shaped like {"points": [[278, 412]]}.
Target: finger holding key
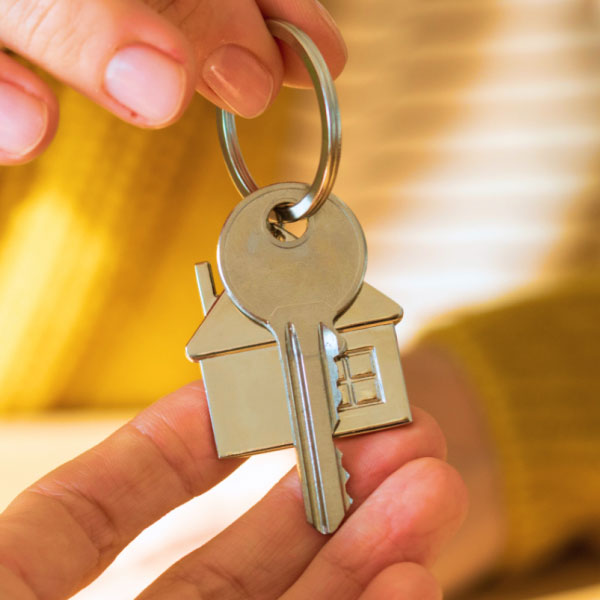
{"points": [[142, 60], [120, 53], [240, 66]]}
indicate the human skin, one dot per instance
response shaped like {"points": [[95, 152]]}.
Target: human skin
{"points": [[143, 59], [63, 531]]}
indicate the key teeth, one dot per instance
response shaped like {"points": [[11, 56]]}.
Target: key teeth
{"points": [[347, 499]]}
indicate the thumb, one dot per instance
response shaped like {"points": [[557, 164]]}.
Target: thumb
{"points": [[120, 53]]}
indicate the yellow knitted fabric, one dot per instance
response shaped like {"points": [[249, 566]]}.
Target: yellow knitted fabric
{"points": [[98, 239], [536, 365]]}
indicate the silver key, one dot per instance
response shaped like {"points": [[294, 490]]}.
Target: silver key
{"points": [[296, 289]]}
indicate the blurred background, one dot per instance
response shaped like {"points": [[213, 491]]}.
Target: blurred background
{"points": [[471, 144]]}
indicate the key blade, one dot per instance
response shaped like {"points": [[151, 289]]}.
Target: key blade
{"points": [[323, 479], [332, 345]]}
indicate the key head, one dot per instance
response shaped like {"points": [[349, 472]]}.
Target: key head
{"points": [[262, 274]]}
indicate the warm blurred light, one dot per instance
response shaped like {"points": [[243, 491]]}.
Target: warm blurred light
{"points": [[471, 130], [45, 248]]}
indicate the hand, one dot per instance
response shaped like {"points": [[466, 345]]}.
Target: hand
{"points": [[62, 532], [143, 59]]}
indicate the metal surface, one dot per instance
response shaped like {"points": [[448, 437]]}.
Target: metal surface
{"points": [[297, 289], [329, 160], [244, 380]]}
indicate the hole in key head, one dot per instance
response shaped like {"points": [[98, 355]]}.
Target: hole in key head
{"points": [[285, 232]]}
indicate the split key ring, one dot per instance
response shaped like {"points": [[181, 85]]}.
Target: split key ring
{"points": [[331, 136]]}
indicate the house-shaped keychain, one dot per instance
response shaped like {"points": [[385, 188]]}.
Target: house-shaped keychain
{"points": [[244, 381]]}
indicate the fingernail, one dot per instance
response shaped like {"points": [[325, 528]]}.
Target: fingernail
{"points": [[147, 82], [333, 26], [23, 120], [239, 79]]}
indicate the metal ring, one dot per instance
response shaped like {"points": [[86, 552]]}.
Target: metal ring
{"points": [[331, 136]]}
